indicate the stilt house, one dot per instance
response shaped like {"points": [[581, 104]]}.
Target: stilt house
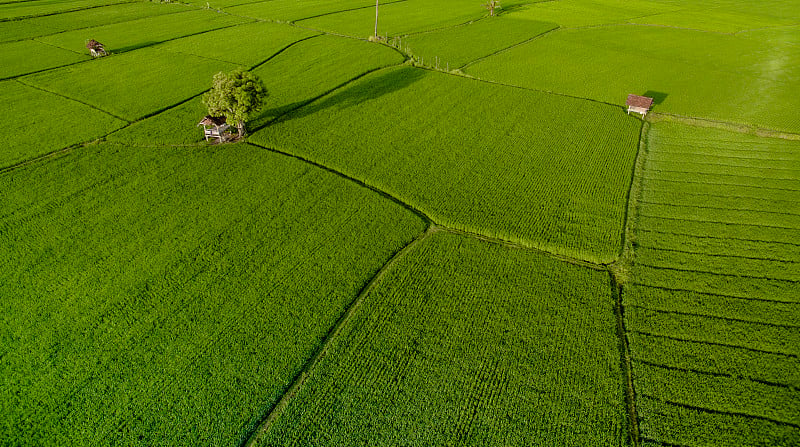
{"points": [[639, 104], [214, 127], [96, 48]]}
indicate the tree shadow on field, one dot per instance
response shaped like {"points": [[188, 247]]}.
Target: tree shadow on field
{"points": [[658, 97], [137, 46], [345, 97]]}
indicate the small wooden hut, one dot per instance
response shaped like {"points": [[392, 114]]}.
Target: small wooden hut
{"points": [[214, 127], [96, 48], [639, 104]]}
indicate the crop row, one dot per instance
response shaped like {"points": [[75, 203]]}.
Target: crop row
{"points": [[711, 310], [126, 322], [550, 172], [751, 335], [718, 246], [715, 359], [699, 303], [469, 342], [772, 402], [664, 422]]}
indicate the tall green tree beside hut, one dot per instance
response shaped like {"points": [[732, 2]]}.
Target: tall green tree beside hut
{"points": [[236, 95]]}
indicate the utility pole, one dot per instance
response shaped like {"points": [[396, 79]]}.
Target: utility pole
{"points": [[376, 18]]}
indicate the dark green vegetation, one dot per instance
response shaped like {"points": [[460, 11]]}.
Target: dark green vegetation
{"points": [[462, 135], [470, 343], [143, 325], [401, 253], [713, 307]]}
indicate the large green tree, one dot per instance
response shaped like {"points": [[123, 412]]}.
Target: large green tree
{"points": [[236, 96]]}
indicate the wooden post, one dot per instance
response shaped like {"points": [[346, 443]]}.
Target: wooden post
{"points": [[376, 18]]}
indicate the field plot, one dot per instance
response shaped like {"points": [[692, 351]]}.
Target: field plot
{"points": [[135, 34], [464, 342], [688, 72], [399, 18], [547, 171], [577, 13], [292, 10], [713, 307], [728, 17], [132, 85], [22, 9], [168, 296], [294, 77], [56, 23], [455, 47], [255, 42], [19, 58], [37, 134]]}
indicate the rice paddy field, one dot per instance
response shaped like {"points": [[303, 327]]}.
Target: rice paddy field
{"points": [[452, 234]]}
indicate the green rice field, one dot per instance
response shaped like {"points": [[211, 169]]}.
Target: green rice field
{"points": [[450, 233]]}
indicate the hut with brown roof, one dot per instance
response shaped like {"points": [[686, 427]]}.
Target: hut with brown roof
{"points": [[96, 48], [639, 104], [214, 127]]}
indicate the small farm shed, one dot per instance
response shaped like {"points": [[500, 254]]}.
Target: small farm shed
{"points": [[639, 104], [96, 48], [214, 127]]}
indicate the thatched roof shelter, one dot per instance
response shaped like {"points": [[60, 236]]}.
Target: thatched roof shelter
{"points": [[639, 104], [214, 121]]}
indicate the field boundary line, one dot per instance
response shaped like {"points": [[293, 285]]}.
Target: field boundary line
{"points": [[737, 185], [90, 26], [309, 101], [717, 255], [721, 295], [520, 246], [503, 50], [718, 174], [709, 272], [716, 374], [723, 238], [52, 154], [686, 219], [721, 196], [419, 213], [301, 378], [431, 221], [705, 207], [338, 12], [764, 132], [714, 317], [714, 343], [722, 412], [623, 344], [662, 443], [725, 165], [36, 39], [74, 100], [15, 19]]}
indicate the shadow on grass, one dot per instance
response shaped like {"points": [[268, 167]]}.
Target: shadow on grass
{"points": [[372, 87], [133, 47], [658, 97]]}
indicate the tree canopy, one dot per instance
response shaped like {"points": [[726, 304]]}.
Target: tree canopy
{"points": [[236, 95]]}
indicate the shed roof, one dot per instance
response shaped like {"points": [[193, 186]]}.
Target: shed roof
{"points": [[209, 120], [639, 101], [93, 45]]}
